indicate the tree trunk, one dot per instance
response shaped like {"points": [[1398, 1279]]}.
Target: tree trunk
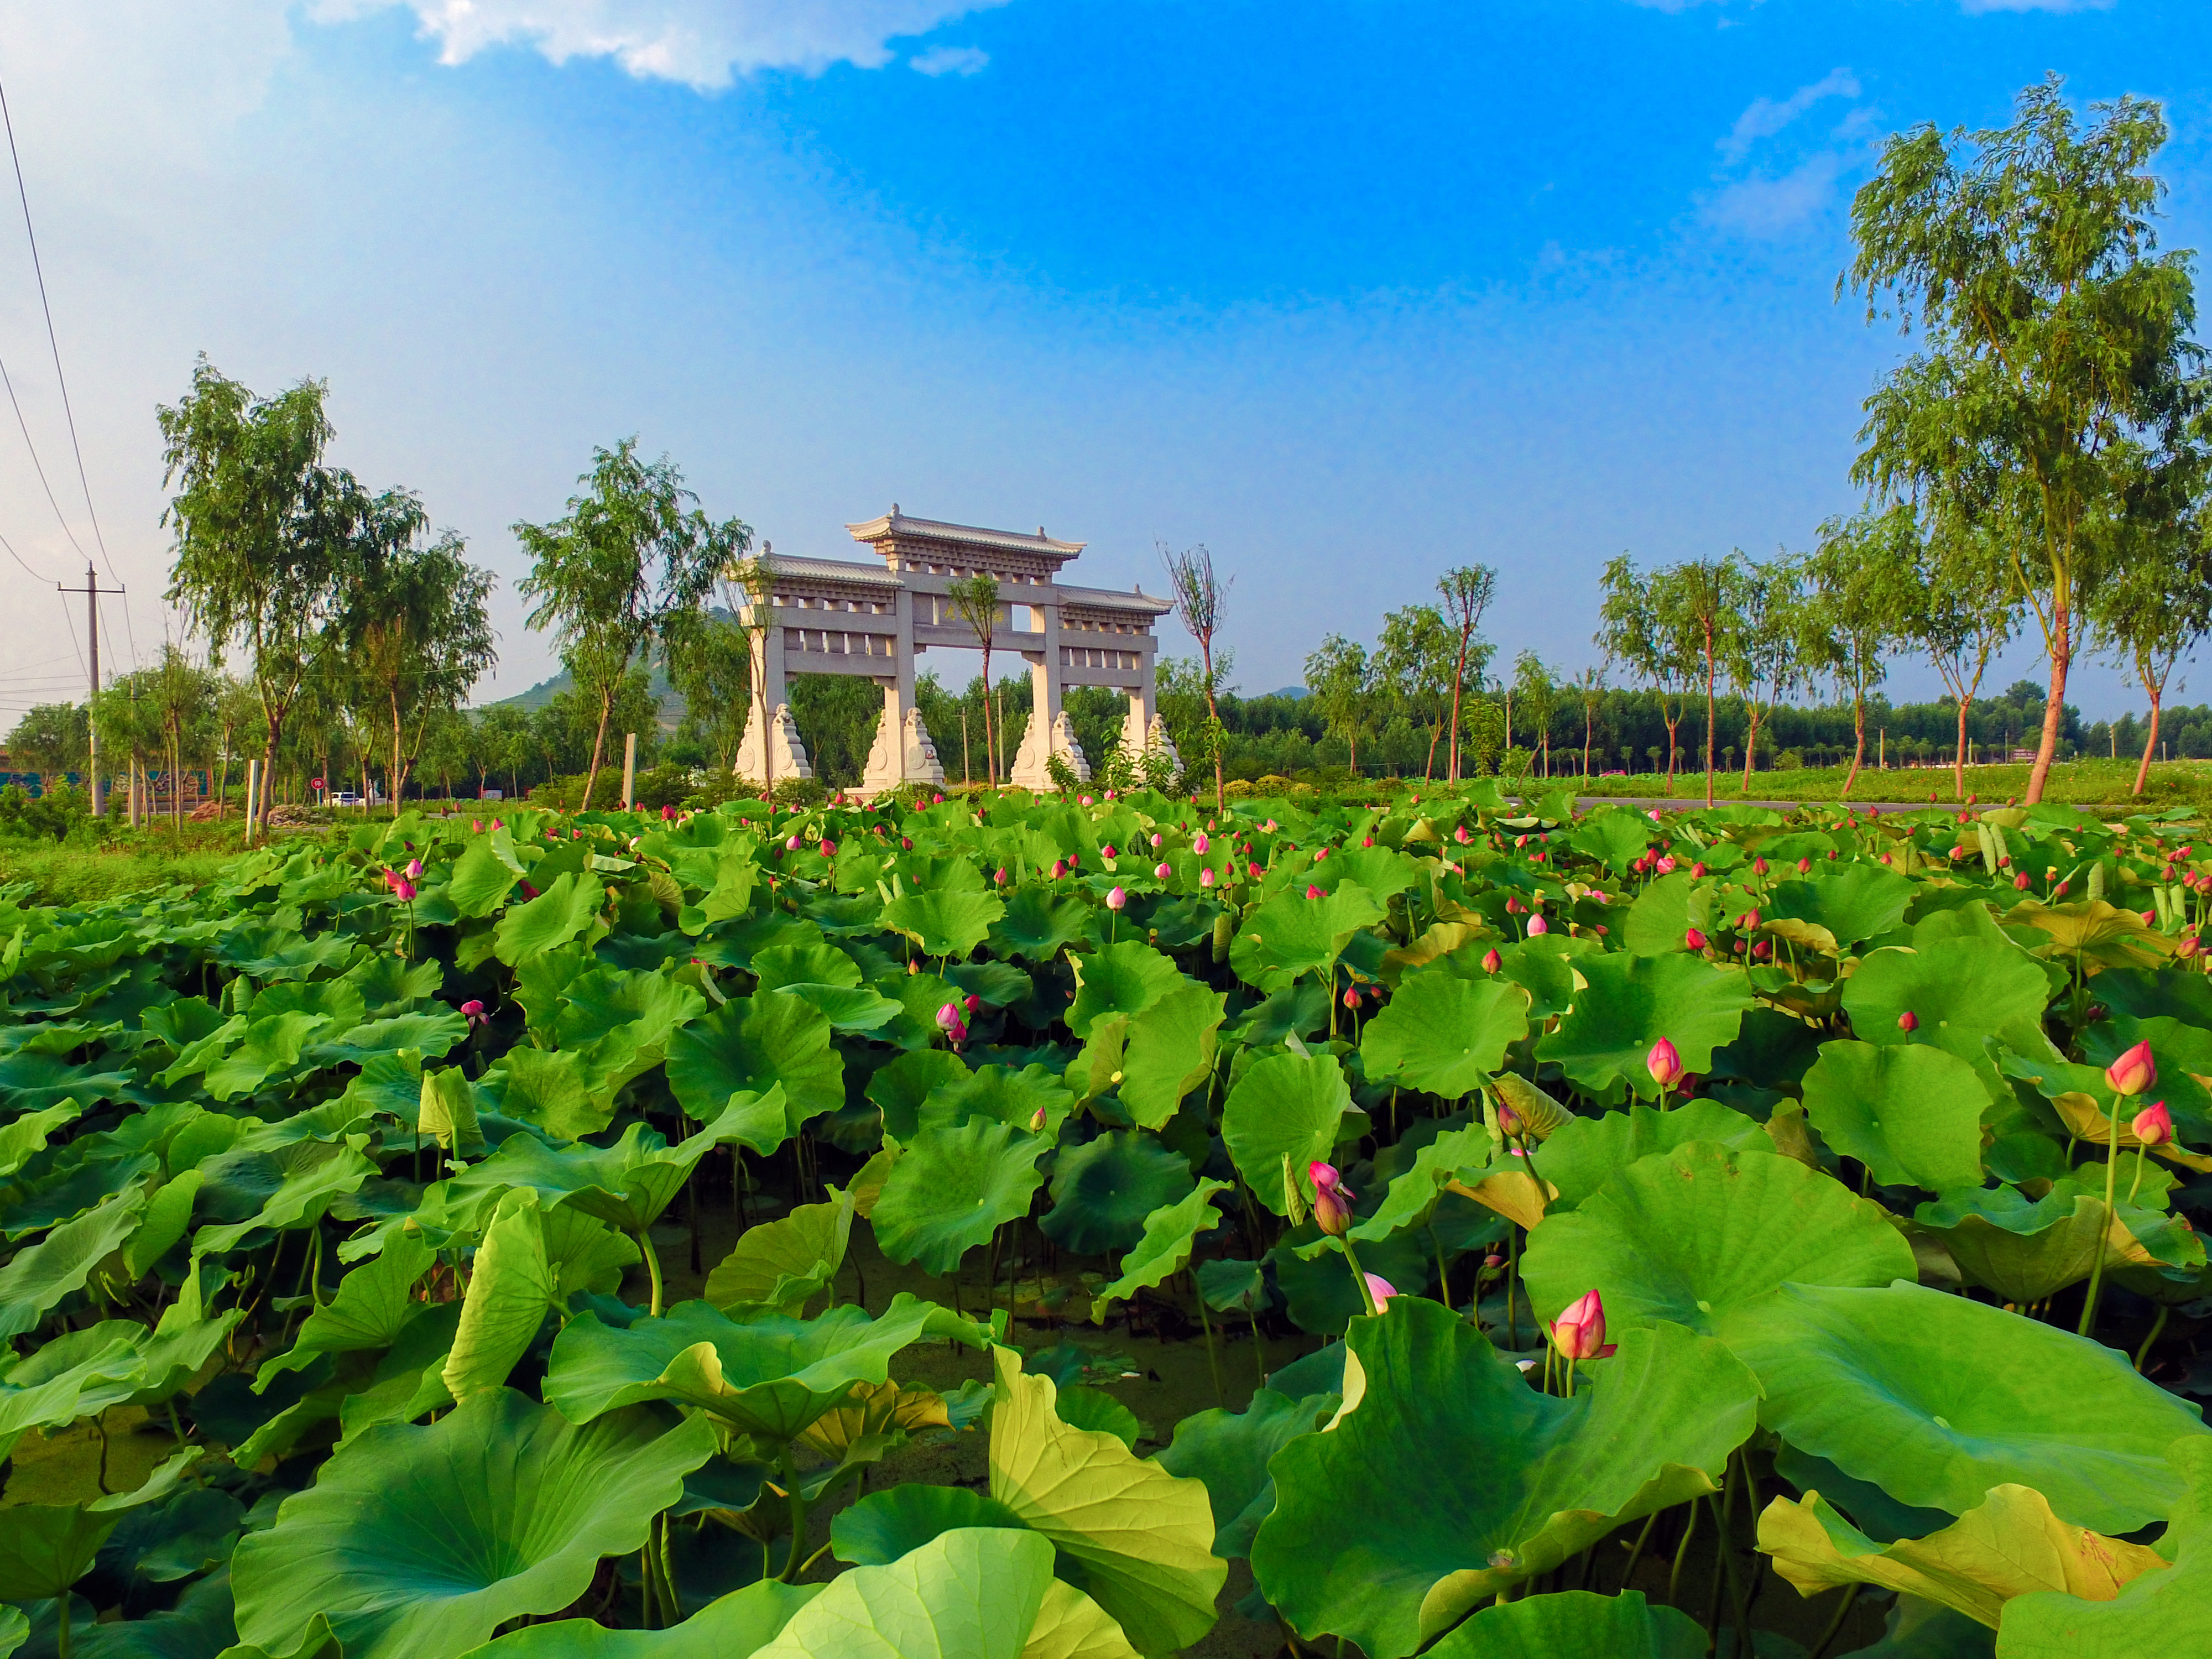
{"points": [[1429, 767], [1587, 719], [398, 778], [1959, 754], [2054, 712], [1709, 714], [1673, 725], [2150, 741], [1858, 754], [1459, 677], [990, 753], [599, 741], [1750, 749], [1213, 721]]}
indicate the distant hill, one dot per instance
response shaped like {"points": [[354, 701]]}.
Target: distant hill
{"points": [[1292, 692], [671, 702]]}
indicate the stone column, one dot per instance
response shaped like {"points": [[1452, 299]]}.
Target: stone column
{"points": [[1049, 733], [903, 752], [771, 750]]}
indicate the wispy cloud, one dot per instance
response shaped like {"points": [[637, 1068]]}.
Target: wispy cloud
{"points": [[1775, 207], [950, 60], [1767, 115], [701, 44]]}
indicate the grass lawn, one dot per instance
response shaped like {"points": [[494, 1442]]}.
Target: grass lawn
{"points": [[132, 861], [2076, 783]]}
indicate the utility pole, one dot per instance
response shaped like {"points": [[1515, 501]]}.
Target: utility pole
{"points": [[91, 592]]}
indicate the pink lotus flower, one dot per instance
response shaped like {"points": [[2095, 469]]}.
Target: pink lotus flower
{"points": [[1804, 866], [1759, 866], [1161, 871], [1698, 870], [828, 849], [667, 812], [1694, 940], [1255, 872], [1493, 1260], [1116, 899], [949, 1022], [1000, 878], [1665, 1064], [1156, 838], [1351, 997], [498, 824], [529, 891], [415, 869], [1748, 921], [403, 889], [1085, 800], [1369, 841], [1108, 852], [473, 1011], [1199, 844], [1381, 1289], [1059, 868], [971, 1002], [1509, 1120], [1665, 866], [2133, 1071], [1538, 925], [475, 826], [2153, 1126], [1908, 1021], [1579, 1333], [1312, 891], [1762, 949], [1491, 962], [791, 846], [1332, 1198], [1460, 834], [1205, 876]]}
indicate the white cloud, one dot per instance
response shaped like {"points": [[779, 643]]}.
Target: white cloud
{"points": [[1977, 8], [1766, 117], [950, 60], [1774, 207], [701, 44]]}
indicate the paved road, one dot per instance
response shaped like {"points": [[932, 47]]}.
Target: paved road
{"points": [[1683, 803]]}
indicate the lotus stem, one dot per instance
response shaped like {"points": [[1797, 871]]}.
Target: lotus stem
{"points": [[791, 1563], [1836, 1624], [1628, 1573], [2157, 1328], [1258, 1346], [2112, 1177], [644, 1237], [2141, 1152], [1682, 1553], [1359, 1277], [1214, 1358]]}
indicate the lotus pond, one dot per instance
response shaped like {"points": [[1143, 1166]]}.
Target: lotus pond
{"points": [[1029, 1228]]}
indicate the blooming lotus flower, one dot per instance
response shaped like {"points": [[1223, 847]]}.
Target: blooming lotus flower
{"points": [[1116, 899], [1579, 1333], [1908, 1021], [401, 887], [1381, 1289], [2153, 1126], [2133, 1071], [1199, 843], [473, 1011], [1665, 1064], [1538, 925], [1332, 1200], [1694, 940], [1491, 962]]}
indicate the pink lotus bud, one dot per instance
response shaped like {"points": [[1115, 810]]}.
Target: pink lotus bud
{"points": [[1116, 899], [2133, 1071], [1199, 844], [1312, 891], [1665, 1064], [1698, 870], [1369, 841], [1762, 949], [1493, 1260], [1084, 801], [475, 826], [905, 845], [1161, 871], [1075, 860], [949, 1022], [1036, 1121], [1538, 925], [1000, 878], [529, 891], [1322, 854], [2059, 891], [2153, 1126], [1694, 940], [1759, 866], [473, 1011], [667, 812], [939, 798], [1665, 866], [1579, 1333], [1908, 1021], [401, 887], [1205, 876], [1491, 962], [1749, 919], [828, 849], [1332, 1207], [413, 869], [1255, 870], [791, 846], [1381, 1289], [1352, 998], [498, 824], [2020, 881], [1108, 852], [2150, 917], [1460, 834], [1509, 1120], [1804, 866], [1059, 868], [1156, 838], [971, 1002]]}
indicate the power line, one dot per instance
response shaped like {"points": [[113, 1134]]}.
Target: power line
{"points": [[53, 344], [19, 559]]}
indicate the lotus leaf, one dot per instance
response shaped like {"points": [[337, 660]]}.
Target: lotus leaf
{"points": [[1582, 1156], [1445, 1034], [1286, 1107], [749, 1048], [1170, 1049], [1125, 978], [1513, 1482], [942, 923], [1693, 1234], [1957, 991], [59, 1264], [952, 1188], [731, 1627], [1629, 1003], [1290, 936], [1576, 1624], [1912, 1114], [1229, 1452], [422, 1541], [885, 1525], [1000, 1093], [783, 1263], [1103, 1189], [1171, 1232], [568, 908], [1938, 1399]]}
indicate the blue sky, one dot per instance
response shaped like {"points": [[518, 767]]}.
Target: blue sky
{"points": [[1349, 293]]}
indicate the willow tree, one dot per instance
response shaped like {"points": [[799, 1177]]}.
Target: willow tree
{"points": [[1860, 608], [975, 602], [1638, 631], [1763, 654], [1467, 590], [1413, 661], [1340, 678], [2055, 336], [632, 555]]}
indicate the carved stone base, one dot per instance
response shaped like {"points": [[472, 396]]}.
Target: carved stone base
{"points": [[1155, 738], [1031, 768], [901, 755], [788, 753]]}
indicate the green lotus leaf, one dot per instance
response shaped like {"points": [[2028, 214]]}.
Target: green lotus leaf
{"points": [[76, 1374], [999, 1093], [1230, 1452], [1297, 1011], [1287, 1106], [806, 964], [1576, 1624], [1170, 1233], [782, 1264], [846, 1008], [1443, 1034], [1290, 935], [1582, 1156], [886, 1525], [27, 1134], [1039, 923], [373, 1305], [952, 1188], [2009, 1545], [1613, 836], [311, 1183], [1143, 1536], [898, 1090], [1937, 1399], [46, 1547], [484, 874], [58, 1264], [1411, 1195], [1103, 1189], [1910, 1113], [567, 909], [1628, 1003], [1850, 902], [2027, 1249], [421, 1542], [511, 1290], [33, 1083], [431, 1035], [1659, 921], [1170, 1050], [1693, 1234], [2168, 1612], [548, 1087], [768, 1376], [975, 1593], [621, 1022], [1868, 1507], [1125, 978], [943, 924], [267, 1048], [731, 1627], [751, 1045], [1958, 990], [1512, 1482]]}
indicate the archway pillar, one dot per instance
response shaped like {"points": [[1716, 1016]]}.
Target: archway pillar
{"points": [[903, 752], [1050, 731]]}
